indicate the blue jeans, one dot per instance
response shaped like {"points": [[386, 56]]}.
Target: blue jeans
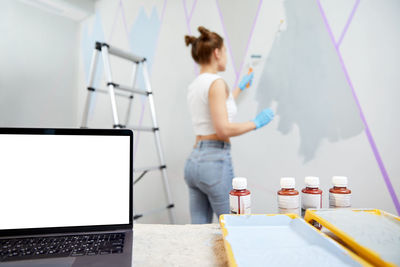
{"points": [[209, 174]]}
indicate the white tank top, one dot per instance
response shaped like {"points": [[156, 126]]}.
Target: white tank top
{"points": [[198, 104]]}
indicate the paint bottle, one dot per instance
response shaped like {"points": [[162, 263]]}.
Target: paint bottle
{"points": [[239, 197], [288, 197], [339, 194], [311, 197]]}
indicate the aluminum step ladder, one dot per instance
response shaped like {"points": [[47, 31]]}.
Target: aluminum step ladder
{"points": [[113, 90]]}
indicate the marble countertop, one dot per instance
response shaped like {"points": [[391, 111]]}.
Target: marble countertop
{"points": [[178, 245]]}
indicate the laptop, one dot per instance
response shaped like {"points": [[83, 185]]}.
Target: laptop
{"points": [[66, 197]]}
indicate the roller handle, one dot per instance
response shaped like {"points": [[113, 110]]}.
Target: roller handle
{"points": [[250, 71]]}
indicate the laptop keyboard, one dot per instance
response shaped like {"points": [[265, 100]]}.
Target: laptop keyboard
{"points": [[61, 246]]}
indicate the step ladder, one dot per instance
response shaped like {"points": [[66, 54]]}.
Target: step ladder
{"points": [[113, 90]]}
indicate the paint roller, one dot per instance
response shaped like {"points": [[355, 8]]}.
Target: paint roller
{"points": [[255, 59]]}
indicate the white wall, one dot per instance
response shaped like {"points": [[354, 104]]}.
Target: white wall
{"points": [[370, 54], [38, 67], [44, 61]]}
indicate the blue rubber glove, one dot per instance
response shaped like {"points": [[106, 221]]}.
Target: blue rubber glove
{"points": [[263, 118], [246, 81]]}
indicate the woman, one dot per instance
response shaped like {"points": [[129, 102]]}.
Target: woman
{"points": [[208, 170]]}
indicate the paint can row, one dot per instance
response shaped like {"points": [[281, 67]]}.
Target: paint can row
{"points": [[289, 199], [311, 196]]}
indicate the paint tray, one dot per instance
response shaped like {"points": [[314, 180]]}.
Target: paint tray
{"points": [[280, 240], [371, 233]]}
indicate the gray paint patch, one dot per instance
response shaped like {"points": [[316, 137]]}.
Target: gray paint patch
{"points": [[303, 75]]}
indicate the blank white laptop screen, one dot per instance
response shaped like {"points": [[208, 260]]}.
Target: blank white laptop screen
{"points": [[63, 180]]}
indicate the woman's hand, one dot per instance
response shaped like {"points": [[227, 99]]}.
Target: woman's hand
{"points": [[246, 81], [263, 118]]}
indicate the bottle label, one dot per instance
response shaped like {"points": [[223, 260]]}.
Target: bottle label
{"points": [[240, 204], [289, 204], [310, 201], [339, 200]]}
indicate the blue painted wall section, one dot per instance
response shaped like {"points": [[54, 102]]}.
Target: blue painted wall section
{"points": [[143, 37]]}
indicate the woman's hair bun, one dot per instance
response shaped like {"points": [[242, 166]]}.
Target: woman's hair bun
{"points": [[204, 45], [190, 40], [204, 33]]}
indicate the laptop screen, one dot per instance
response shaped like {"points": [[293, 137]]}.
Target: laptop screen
{"points": [[64, 180]]}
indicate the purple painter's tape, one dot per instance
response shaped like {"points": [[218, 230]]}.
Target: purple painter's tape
{"points": [[114, 22], [228, 44], [192, 11], [349, 20], [186, 17], [124, 19], [248, 42], [367, 130]]}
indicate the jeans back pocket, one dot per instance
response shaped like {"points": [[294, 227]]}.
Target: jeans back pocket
{"points": [[211, 167]]}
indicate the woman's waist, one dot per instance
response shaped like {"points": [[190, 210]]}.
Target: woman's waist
{"points": [[212, 141]]}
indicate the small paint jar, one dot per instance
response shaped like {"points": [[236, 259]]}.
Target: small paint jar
{"points": [[339, 194], [288, 197], [311, 197], [239, 197]]}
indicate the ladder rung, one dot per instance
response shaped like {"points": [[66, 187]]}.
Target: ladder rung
{"points": [[169, 206], [143, 128], [128, 89], [104, 91], [123, 54], [137, 216], [153, 168], [146, 170]]}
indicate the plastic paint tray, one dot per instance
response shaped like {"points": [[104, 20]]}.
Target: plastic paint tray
{"points": [[280, 240], [371, 233]]}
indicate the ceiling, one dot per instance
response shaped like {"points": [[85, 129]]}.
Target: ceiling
{"points": [[73, 9]]}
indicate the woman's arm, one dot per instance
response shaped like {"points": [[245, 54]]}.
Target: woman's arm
{"points": [[236, 92], [217, 97]]}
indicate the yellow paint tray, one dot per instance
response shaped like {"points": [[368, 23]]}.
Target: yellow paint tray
{"points": [[371, 233], [281, 240]]}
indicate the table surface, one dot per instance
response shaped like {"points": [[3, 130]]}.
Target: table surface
{"points": [[178, 245]]}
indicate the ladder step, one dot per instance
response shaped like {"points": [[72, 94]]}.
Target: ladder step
{"points": [[129, 89], [152, 168], [105, 91], [143, 128], [121, 53]]}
